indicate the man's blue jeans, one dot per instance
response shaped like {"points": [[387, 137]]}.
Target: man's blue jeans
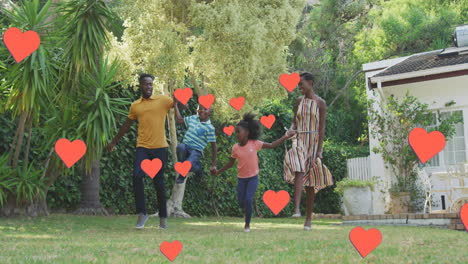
{"points": [[138, 174]]}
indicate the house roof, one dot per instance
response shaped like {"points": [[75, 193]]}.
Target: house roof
{"points": [[429, 60]]}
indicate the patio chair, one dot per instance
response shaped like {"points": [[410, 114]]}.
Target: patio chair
{"points": [[459, 191], [456, 190]]}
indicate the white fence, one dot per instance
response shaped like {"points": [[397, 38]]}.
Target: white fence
{"points": [[359, 168]]}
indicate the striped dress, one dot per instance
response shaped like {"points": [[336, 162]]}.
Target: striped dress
{"points": [[304, 147]]}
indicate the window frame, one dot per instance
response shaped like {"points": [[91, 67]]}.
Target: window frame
{"points": [[441, 155]]}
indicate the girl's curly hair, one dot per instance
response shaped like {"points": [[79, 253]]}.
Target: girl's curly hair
{"points": [[253, 126]]}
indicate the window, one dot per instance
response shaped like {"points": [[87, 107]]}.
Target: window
{"points": [[454, 151], [435, 161]]}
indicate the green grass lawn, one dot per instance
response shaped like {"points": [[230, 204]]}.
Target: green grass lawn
{"points": [[93, 239]]}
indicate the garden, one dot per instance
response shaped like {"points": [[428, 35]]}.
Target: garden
{"points": [[79, 85]]}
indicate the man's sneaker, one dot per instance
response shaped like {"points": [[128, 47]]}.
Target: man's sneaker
{"points": [[180, 179], [162, 223], [141, 221]]}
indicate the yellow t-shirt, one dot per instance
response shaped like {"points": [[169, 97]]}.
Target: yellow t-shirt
{"points": [[151, 116]]}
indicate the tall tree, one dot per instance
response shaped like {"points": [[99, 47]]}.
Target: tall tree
{"points": [[403, 27], [228, 48], [29, 86], [86, 80], [324, 46], [30, 80]]}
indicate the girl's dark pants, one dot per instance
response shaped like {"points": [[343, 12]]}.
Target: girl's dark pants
{"points": [[246, 188]]}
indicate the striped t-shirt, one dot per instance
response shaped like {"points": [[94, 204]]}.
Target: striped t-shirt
{"points": [[198, 133]]}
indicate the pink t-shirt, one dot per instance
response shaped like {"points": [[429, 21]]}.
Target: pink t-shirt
{"points": [[247, 159]]}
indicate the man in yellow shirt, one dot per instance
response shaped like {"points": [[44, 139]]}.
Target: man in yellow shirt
{"points": [[150, 111]]}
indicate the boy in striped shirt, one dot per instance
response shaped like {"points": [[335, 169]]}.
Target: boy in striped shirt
{"points": [[199, 133]]}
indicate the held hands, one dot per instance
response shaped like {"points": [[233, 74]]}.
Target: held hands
{"points": [[213, 170]]}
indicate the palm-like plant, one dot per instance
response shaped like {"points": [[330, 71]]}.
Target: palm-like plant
{"points": [[86, 27], [96, 127], [30, 83], [85, 82], [6, 179], [99, 107], [29, 185], [76, 100], [27, 88]]}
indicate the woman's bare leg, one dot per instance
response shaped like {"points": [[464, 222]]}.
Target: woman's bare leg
{"points": [[310, 205], [297, 192]]}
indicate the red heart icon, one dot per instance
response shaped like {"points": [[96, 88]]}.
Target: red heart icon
{"points": [[268, 121], [171, 250], [206, 100], [276, 201], [20, 44], [151, 167], [237, 103], [289, 81], [228, 130], [464, 215], [183, 95], [365, 241], [426, 145], [70, 152], [183, 168]]}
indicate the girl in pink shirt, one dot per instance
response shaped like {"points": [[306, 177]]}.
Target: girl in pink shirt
{"points": [[248, 132]]}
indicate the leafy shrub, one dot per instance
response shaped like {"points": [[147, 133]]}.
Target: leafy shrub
{"points": [[207, 195], [25, 184], [28, 184], [348, 183], [6, 179]]}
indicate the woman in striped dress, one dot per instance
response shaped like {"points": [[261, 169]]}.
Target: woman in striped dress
{"points": [[302, 163]]}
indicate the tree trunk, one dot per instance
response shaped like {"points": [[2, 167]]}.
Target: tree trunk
{"points": [[342, 90], [8, 208], [13, 146], [38, 208], [32, 209], [28, 143], [19, 141], [90, 203], [199, 90], [174, 204]]}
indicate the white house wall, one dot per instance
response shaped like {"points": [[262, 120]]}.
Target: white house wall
{"points": [[380, 195], [435, 93]]}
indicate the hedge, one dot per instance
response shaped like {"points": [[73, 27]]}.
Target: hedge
{"points": [[206, 195]]}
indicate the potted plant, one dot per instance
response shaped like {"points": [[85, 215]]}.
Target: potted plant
{"points": [[391, 124], [400, 200], [357, 195]]}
